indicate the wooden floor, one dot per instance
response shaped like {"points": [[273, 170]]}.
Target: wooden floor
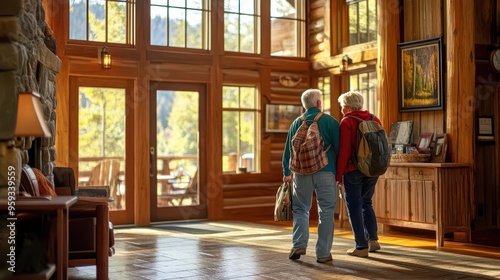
{"points": [[259, 250]]}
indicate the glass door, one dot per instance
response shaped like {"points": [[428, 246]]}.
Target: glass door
{"points": [[104, 144], [176, 152]]}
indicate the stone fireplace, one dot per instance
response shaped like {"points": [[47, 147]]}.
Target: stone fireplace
{"points": [[28, 62]]}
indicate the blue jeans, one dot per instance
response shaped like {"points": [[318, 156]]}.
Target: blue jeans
{"points": [[359, 190], [323, 183]]}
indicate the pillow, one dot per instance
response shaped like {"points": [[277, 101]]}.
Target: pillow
{"points": [[44, 185]]}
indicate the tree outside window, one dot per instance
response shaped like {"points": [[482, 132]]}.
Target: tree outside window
{"points": [[240, 129]]}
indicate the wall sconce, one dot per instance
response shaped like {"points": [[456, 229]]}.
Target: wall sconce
{"points": [[30, 120], [345, 63], [105, 58]]}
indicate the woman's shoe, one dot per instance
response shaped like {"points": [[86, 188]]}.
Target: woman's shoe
{"points": [[373, 246], [362, 253]]}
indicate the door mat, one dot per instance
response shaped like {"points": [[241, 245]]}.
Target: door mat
{"points": [[195, 228]]}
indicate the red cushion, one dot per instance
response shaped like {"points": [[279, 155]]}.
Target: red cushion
{"points": [[44, 185]]}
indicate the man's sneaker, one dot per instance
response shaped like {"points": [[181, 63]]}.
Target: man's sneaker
{"points": [[363, 253], [373, 245], [325, 259], [296, 253]]}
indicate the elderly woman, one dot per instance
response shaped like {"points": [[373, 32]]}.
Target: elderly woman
{"points": [[358, 187]]}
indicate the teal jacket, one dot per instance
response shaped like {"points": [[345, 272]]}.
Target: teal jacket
{"points": [[330, 131]]}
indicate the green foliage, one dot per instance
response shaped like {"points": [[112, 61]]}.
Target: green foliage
{"points": [[101, 122]]}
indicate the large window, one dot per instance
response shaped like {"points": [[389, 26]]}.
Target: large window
{"points": [[362, 21], [110, 21], [240, 129], [288, 25], [324, 86], [180, 23], [366, 83], [241, 26]]}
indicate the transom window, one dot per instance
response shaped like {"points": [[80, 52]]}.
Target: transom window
{"points": [[366, 83], [110, 21], [180, 23], [362, 21], [240, 129], [288, 25], [242, 26]]}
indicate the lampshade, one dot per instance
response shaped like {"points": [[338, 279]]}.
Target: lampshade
{"points": [[105, 58], [30, 120]]}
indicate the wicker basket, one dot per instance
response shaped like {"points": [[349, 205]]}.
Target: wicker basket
{"points": [[411, 158]]}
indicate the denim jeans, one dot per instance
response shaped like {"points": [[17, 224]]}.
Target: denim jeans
{"points": [[323, 183], [359, 190]]}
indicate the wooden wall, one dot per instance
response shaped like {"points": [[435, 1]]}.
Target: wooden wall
{"points": [[231, 196]]}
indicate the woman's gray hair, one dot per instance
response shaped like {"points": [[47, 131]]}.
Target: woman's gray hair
{"points": [[310, 98], [352, 99]]}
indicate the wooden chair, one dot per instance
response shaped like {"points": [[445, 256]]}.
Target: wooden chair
{"points": [[91, 234], [179, 194], [106, 173]]}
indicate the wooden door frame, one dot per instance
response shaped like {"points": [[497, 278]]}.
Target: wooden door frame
{"points": [[199, 211], [116, 216]]}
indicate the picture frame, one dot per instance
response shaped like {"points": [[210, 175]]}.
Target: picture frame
{"points": [[401, 132], [424, 142], [440, 148], [485, 131], [420, 73], [279, 117]]}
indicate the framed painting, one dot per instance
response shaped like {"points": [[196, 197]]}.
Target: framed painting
{"points": [[420, 69], [279, 117]]}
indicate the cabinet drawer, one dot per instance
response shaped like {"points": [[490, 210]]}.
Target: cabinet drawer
{"points": [[398, 173], [426, 174]]}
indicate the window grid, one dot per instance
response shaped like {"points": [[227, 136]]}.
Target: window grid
{"points": [[324, 86], [95, 16], [241, 122], [366, 84], [362, 21], [200, 33], [239, 37], [288, 25]]}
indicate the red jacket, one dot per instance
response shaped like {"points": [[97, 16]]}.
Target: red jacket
{"points": [[348, 140]]}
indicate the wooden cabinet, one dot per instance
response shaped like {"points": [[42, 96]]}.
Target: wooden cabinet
{"points": [[431, 196]]}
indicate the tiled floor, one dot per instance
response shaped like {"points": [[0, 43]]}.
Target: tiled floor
{"points": [[242, 250]]}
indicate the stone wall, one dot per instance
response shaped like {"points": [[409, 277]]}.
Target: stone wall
{"points": [[28, 62]]}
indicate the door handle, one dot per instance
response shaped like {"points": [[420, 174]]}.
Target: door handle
{"points": [[151, 162]]}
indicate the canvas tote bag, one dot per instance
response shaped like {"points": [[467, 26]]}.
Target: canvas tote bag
{"points": [[283, 206]]}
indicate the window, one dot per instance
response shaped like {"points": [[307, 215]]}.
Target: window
{"points": [[288, 25], [240, 129], [101, 140], [324, 86], [180, 23], [110, 21], [241, 26], [366, 83], [362, 21]]}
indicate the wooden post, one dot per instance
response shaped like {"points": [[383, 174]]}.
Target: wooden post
{"points": [[460, 73], [389, 12]]}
